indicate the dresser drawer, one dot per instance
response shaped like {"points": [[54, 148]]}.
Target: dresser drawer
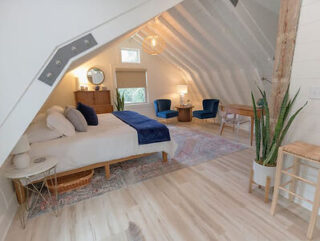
{"points": [[100, 109], [85, 97], [102, 97], [99, 100]]}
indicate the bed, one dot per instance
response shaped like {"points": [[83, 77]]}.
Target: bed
{"points": [[111, 141]]}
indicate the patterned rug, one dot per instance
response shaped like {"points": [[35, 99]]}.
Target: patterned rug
{"points": [[194, 147]]}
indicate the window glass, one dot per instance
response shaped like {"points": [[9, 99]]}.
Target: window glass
{"points": [[130, 55], [133, 95]]}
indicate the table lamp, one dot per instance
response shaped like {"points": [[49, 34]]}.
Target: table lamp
{"points": [[182, 90], [21, 157]]}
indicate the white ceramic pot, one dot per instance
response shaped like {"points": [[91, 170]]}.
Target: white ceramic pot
{"points": [[260, 174], [21, 161]]}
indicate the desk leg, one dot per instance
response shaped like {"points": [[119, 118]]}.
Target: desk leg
{"points": [[251, 133]]}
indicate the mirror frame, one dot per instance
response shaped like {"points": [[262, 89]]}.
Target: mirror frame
{"points": [[90, 78]]}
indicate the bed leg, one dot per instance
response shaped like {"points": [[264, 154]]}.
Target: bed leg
{"points": [[164, 156], [107, 170]]}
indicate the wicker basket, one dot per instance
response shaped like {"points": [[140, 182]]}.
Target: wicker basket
{"points": [[70, 182]]}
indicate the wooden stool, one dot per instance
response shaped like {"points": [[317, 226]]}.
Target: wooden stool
{"points": [[307, 152]]}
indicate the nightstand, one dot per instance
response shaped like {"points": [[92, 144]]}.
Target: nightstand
{"points": [[24, 181]]}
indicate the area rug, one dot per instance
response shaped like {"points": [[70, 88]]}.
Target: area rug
{"points": [[194, 147]]}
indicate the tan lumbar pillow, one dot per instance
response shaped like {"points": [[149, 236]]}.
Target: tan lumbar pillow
{"points": [[76, 118]]}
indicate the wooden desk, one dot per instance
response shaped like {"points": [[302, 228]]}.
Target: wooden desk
{"points": [[185, 113], [244, 110]]}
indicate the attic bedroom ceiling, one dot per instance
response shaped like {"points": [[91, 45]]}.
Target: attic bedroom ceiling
{"points": [[225, 51], [33, 43]]}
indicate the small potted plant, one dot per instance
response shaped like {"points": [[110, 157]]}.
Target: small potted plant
{"points": [[119, 103], [268, 141]]}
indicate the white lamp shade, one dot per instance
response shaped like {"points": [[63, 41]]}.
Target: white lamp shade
{"points": [[22, 146], [182, 89]]}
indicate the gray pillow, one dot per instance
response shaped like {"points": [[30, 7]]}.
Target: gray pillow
{"points": [[76, 118]]}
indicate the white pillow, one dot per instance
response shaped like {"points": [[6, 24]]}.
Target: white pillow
{"points": [[39, 131], [57, 121], [55, 108]]}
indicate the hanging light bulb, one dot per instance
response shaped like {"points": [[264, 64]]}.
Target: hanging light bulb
{"points": [[153, 42], [153, 45]]}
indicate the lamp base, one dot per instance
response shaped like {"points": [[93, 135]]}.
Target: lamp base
{"points": [[181, 99], [21, 161]]}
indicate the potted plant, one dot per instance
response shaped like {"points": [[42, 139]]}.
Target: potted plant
{"points": [[119, 103], [268, 141]]}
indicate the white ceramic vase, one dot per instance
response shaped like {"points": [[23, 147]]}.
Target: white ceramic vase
{"points": [[260, 174]]}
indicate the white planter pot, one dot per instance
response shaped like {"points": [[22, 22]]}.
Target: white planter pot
{"points": [[260, 174]]}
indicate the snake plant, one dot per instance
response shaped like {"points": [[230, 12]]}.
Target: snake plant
{"points": [[267, 145], [119, 103]]}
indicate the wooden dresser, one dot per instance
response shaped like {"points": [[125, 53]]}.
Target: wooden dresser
{"points": [[99, 100]]}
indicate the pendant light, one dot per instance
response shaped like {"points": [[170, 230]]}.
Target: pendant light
{"points": [[153, 44]]}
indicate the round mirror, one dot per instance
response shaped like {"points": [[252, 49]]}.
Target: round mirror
{"points": [[95, 76]]}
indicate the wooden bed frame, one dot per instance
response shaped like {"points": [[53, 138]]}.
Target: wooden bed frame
{"points": [[20, 189]]}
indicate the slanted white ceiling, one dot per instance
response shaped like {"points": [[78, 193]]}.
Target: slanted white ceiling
{"points": [[31, 33], [224, 51]]}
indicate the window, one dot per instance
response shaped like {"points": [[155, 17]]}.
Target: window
{"points": [[130, 55], [132, 83], [133, 95]]}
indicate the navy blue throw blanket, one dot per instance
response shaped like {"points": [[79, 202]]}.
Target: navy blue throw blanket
{"points": [[149, 130]]}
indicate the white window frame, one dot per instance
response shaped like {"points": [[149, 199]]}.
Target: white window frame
{"points": [[131, 49]]}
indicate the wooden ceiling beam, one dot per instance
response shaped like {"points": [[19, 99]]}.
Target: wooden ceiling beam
{"points": [[286, 39]]}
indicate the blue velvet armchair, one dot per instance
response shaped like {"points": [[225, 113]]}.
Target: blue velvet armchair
{"points": [[210, 109], [162, 109]]}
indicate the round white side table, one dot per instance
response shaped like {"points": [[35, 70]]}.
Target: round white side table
{"points": [[24, 181]]}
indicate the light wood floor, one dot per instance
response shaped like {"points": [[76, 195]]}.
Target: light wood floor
{"points": [[205, 202]]}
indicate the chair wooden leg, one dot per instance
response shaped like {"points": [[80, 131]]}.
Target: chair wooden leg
{"points": [[267, 189], [250, 181], [277, 181], [222, 127], [315, 209], [107, 170]]}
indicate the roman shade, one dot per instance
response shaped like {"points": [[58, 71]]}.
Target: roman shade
{"points": [[131, 78]]}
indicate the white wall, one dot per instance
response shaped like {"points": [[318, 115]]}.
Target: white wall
{"points": [[8, 205], [30, 33], [306, 75], [162, 77]]}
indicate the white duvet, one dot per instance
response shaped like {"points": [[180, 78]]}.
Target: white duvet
{"points": [[111, 139]]}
